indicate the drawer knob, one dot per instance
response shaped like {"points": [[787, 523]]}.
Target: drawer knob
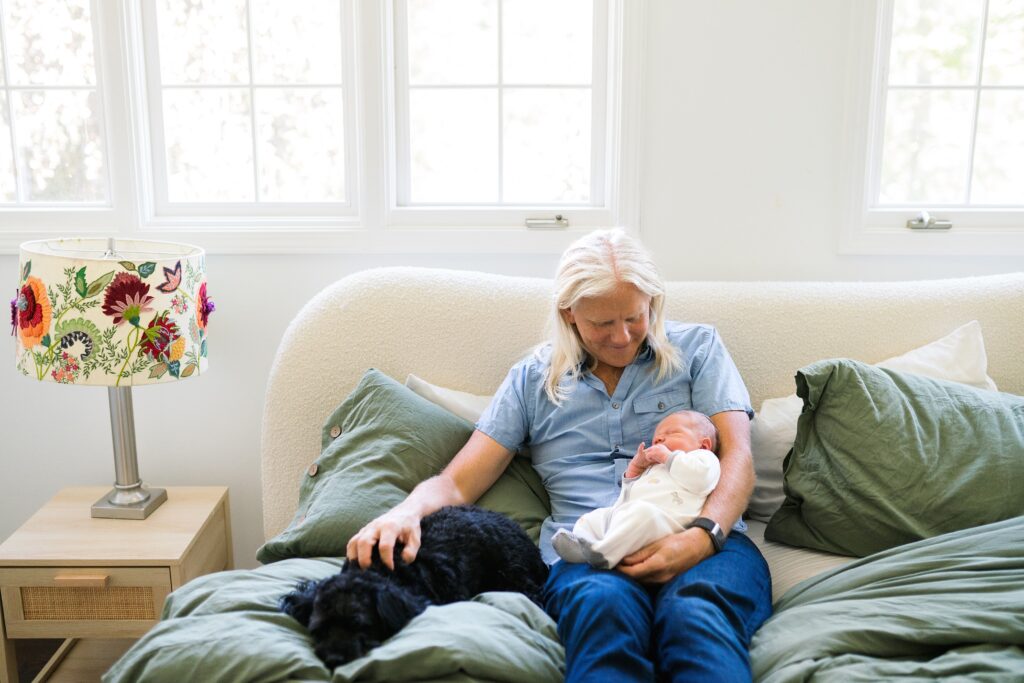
{"points": [[82, 580]]}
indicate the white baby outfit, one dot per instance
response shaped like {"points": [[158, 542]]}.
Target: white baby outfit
{"points": [[661, 501]]}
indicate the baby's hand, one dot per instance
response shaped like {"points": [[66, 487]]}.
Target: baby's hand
{"points": [[645, 457], [658, 454]]}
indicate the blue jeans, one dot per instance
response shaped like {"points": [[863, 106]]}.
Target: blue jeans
{"points": [[696, 627]]}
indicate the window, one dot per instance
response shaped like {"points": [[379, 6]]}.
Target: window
{"points": [[52, 149], [247, 103], [337, 125], [497, 102], [943, 127]]}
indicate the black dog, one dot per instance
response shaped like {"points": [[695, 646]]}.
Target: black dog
{"points": [[464, 551]]}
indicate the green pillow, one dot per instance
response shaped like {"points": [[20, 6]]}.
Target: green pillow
{"points": [[883, 458], [391, 439]]}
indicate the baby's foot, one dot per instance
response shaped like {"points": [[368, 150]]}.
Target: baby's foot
{"points": [[568, 547], [593, 558]]}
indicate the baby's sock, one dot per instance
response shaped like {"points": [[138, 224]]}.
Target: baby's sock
{"points": [[593, 558], [568, 546]]}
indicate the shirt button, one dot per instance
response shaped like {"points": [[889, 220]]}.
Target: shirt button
{"points": [[335, 432], [313, 469], [615, 405], [661, 405]]}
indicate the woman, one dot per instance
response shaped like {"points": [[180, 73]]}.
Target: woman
{"points": [[682, 608]]}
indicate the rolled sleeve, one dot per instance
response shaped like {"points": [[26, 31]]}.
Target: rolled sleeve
{"points": [[717, 385], [506, 419]]}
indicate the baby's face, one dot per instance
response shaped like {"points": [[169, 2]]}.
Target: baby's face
{"points": [[679, 433]]}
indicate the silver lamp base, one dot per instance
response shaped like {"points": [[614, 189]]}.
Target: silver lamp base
{"points": [[135, 503]]}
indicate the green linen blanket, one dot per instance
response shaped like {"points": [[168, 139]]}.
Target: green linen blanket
{"points": [[951, 606], [226, 627], [946, 607]]}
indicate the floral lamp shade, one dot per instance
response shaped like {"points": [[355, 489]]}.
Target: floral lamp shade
{"points": [[112, 313]]}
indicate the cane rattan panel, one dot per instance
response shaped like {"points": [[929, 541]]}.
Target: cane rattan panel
{"points": [[78, 604]]}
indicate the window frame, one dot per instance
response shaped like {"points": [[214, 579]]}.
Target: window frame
{"points": [[596, 213], [869, 229], [167, 213], [379, 226]]}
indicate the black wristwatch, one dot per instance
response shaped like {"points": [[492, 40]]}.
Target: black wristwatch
{"points": [[714, 531]]}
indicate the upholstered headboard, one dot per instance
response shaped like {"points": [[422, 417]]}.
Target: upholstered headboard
{"points": [[464, 329]]}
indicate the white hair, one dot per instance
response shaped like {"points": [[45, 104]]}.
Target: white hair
{"points": [[592, 266]]}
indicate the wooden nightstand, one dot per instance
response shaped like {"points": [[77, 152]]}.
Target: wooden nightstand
{"points": [[65, 574]]}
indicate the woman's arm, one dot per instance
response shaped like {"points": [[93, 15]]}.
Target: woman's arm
{"points": [[662, 560], [471, 472]]}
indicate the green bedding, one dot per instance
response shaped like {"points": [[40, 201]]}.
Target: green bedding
{"points": [[949, 606], [226, 627]]}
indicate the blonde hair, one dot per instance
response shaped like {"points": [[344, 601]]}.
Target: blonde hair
{"points": [[592, 266], [705, 427]]}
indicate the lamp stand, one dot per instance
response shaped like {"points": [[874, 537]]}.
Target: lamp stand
{"points": [[129, 499]]}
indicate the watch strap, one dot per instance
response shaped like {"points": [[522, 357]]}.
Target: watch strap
{"points": [[713, 530]]}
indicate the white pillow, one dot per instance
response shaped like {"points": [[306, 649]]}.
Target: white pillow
{"points": [[957, 357], [465, 405]]}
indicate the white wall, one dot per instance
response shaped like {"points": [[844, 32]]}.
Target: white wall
{"points": [[740, 171], [741, 161]]}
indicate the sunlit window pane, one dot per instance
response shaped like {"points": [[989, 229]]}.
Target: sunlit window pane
{"points": [[203, 42], [297, 42], [59, 145], [927, 141], [49, 42], [935, 42], [547, 41], [999, 149], [8, 188], [547, 145], [453, 42], [301, 145], [209, 145], [1004, 43], [454, 145]]}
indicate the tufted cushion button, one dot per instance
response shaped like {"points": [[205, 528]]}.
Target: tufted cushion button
{"points": [[313, 469], [335, 432]]}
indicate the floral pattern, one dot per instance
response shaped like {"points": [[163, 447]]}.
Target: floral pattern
{"points": [[112, 323], [204, 307], [34, 312], [127, 298]]}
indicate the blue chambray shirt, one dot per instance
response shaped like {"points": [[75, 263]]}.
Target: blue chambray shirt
{"points": [[581, 448]]}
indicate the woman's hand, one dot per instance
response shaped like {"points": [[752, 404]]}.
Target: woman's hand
{"points": [[471, 472], [393, 526], [668, 557]]}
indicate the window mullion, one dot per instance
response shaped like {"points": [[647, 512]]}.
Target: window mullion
{"points": [[880, 101], [968, 186], [18, 175], [400, 161], [252, 106], [501, 107]]}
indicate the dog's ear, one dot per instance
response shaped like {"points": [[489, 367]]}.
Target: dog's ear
{"points": [[299, 603], [397, 606]]}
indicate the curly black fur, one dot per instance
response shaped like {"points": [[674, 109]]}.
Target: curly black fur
{"points": [[464, 551]]}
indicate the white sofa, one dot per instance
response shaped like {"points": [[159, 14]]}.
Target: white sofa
{"points": [[463, 330]]}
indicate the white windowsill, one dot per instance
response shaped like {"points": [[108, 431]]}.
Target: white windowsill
{"points": [[335, 240]]}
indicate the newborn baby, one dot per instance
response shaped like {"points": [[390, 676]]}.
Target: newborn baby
{"points": [[663, 490]]}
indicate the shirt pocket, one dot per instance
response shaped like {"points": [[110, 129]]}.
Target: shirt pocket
{"points": [[651, 409]]}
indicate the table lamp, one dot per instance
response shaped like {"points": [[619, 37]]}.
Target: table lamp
{"points": [[114, 313]]}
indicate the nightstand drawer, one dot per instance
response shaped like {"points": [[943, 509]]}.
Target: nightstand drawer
{"points": [[42, 602]]}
